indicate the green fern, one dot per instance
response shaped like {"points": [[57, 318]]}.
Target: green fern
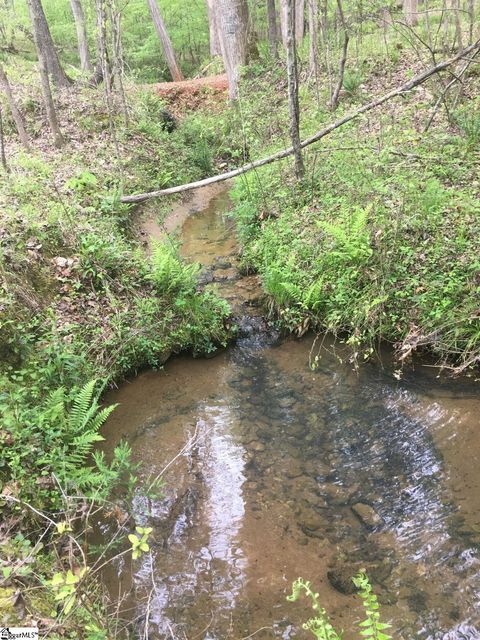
{"points": [[83, 408], [169, 274], [71, 426], [351, 243], [321, 627], [371, 627]]}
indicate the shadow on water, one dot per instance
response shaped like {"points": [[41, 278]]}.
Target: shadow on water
{"points": [[289, 471]]}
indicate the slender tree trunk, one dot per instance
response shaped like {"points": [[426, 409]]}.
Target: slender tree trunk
{"points": [[299, 20], [15, 111], [118, 70], [102, 67], [283, 22], [3, 157], [80, 25], [293, 104], [410, 10], [213, 29], [43, 41], [343, 60], [313, 22], [458, 24], [471, 19], [232, 17], [272, 28], [165, 41], [45, 81]]}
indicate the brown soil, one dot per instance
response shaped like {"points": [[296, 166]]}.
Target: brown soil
{"points": [[190, 94]]}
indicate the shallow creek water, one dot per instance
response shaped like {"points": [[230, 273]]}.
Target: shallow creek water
{"points": [[281, 471]]}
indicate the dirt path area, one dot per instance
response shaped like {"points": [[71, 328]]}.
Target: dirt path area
{"points": [[190, 94]]}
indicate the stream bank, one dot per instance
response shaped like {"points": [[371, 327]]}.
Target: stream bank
{"points": [[284, 471]]}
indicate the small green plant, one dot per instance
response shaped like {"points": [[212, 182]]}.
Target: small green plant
{"points": [[202, 156], [139, 543], [352, 81], [64, 586], [468, 121], [372, 627], [321, 627], [83, 181]]}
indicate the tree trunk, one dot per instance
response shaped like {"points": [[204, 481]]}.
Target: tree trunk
{"points": [[293, 105], [15, 111], [45, 81], [165, 41], [118, 68], [213, 30], [272, 28], [102, 65], [283, 22], [458, 24], [232, 17], [3, 157], [313, 22], [82, 39], [471, 19], [299, 20], [410, 10], [343, 60], [44, 42]]}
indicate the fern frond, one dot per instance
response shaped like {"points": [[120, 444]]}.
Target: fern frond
{"points": [[54, 407], [81, 410], [100, 418]]}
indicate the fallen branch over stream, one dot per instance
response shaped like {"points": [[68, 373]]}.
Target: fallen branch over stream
{"points": [[404, 88]]}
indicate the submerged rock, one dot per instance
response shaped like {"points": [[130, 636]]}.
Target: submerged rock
{"points": [[256, 446], [311, 520], [294, 469], [205, 277], [286, 402], [340, 577], [336, 494], [367, 515], [222, 263]]}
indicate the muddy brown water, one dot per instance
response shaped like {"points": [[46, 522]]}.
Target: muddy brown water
{"points": [[280, 471]]}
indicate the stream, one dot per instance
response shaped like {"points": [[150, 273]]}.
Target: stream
{"points": [[282, 471]]}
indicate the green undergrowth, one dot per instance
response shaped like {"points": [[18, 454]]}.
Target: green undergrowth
{"points": [[79, 298], [82, 305], [381, 240]]}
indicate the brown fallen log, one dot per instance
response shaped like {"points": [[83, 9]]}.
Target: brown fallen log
{"points": [[279, 155]]}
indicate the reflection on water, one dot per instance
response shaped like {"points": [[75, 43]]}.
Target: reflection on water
{"points": [[293, 472]]}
